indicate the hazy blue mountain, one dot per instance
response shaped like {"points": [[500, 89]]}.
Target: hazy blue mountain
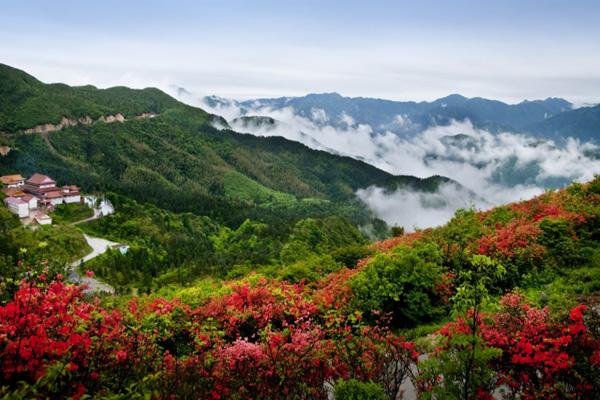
{"points": [[582, 123], [406, 116]]}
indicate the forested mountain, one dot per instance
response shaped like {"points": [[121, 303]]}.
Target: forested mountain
{"points": [[26, 102], [242, 195], [405, 117], [175, 160]]}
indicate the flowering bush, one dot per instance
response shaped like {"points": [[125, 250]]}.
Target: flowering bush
{"points": [[262, 340], [49, 325], [269, 339], [530, 356], [541, 357]]}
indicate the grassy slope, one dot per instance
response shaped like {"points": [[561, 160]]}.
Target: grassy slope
{"points": [[69, 213]]}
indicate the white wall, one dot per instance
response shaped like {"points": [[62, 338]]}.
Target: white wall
{"points": [[22, 210], [46, 221], [72, 199]]}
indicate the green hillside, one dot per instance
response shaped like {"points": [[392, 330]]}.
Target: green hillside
{"points": [[26, 102], [177, 160], [191, 199]]}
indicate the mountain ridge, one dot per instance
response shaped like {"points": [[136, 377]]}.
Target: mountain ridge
{"points": [[408, 117]]}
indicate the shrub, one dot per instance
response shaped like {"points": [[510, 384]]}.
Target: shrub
{"points": [[356, 390], [403, 283]]}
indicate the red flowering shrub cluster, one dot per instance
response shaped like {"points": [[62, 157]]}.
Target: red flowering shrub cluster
{"points": [[267, 340], [270, 339], [334, 291], [52, 325], [506, 241], [540, 358], [518, 237], [407, 240]]}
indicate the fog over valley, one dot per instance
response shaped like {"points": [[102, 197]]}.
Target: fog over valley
{"points": [[493, 163]]}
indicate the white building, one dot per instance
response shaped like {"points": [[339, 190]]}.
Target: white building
{"points": [[42, 219], [17, 206], [123, 248], [71, 194], [31, 201], [55, 198]]}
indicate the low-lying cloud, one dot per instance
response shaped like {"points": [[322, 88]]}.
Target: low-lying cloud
{"points": [[418, 209], [496, 167]]}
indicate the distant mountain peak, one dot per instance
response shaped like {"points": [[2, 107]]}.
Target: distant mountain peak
{"points": [[217, 101], [453, 98], [326, 95]]}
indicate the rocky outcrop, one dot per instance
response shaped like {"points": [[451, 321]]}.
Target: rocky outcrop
{"points": [[86, 120], [111, 118], [144, 115]]}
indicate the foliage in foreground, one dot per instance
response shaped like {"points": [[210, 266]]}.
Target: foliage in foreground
{"points": [[269, 339], [266, 338], [357, 390]]}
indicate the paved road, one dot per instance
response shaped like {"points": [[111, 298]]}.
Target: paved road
{"points": [[98, 246], [104, 208]]}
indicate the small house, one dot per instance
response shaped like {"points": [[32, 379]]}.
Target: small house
{"points": [[17, 206], [42, 218], [123, 248], [71, 194]]}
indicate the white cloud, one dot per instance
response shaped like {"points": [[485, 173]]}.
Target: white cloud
{"points": [[346, 119], [319, 115], [498, 168], [416, 209]]}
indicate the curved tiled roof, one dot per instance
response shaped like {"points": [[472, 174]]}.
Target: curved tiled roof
{"points": [[39, 179]]}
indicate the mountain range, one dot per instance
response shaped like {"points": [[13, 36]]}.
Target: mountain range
{"points": [[549, 118]]}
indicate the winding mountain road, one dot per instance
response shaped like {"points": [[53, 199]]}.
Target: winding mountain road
{"points": [[99, 246]]}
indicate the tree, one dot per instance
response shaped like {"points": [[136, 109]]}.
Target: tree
{"points": [[403, 283], [461, 368], [397, 231]]}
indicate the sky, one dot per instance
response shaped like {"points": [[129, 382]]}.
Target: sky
{"points": [[403, 50]]}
